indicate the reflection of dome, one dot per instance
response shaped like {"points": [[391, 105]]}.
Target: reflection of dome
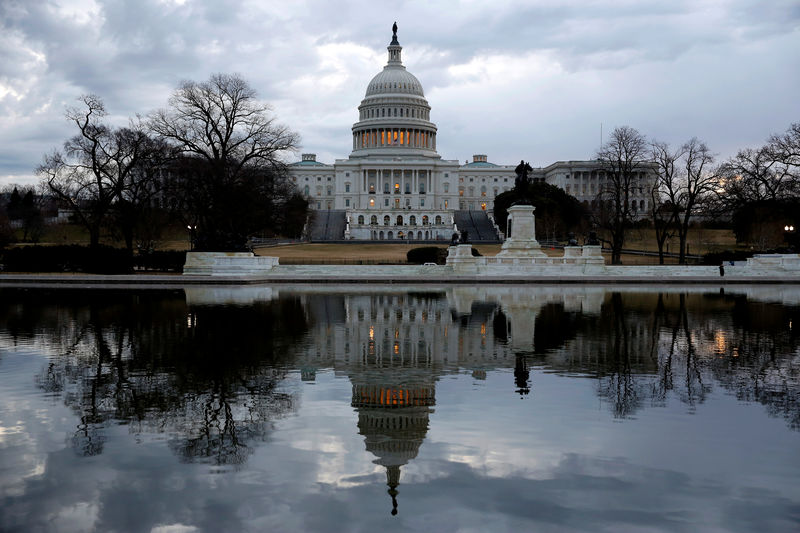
{"points": [[394, 421]]}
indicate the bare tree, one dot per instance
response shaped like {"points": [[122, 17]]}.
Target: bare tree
{"points": [[699, 181], [769, 172], [664, 193], [685, 180], [99, 168], [623, 158], [233, 151]]}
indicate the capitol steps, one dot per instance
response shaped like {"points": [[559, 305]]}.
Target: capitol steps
{"points": [[328, 225], [477, 225]]}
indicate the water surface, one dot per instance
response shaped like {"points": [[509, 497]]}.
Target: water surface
{"points": [[386, 408]]}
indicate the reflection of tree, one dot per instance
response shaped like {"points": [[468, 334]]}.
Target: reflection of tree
{"points": [[647, 348], [208, 376], [618, 384]]}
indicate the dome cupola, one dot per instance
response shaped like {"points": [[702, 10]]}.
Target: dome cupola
{"points": [[394, 116]]}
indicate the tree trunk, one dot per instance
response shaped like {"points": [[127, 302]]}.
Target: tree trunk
{"points": [[94, 236]]}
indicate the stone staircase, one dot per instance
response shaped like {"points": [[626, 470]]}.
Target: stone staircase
{"points": [[478, 226], [328, 225]]}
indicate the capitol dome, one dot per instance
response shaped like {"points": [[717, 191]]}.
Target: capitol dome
{"points": [[394, 116], [394, 79]]}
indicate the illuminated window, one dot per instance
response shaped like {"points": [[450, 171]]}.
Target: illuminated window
{"points": [[371, 202], [397, 188]]}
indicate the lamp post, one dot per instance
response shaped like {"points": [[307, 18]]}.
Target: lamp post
{"points": [[788, 235], [192, 228]]}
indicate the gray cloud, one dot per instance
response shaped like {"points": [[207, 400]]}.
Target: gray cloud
{"points": [[726, 72]]}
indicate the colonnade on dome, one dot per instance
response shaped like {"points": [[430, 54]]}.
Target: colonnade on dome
{"points": [[394, 137]]}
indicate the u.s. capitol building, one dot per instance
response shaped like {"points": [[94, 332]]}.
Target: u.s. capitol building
{"points": [[395, 185]]}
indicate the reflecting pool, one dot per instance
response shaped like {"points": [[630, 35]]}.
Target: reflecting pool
{"points": [[371, 408]]}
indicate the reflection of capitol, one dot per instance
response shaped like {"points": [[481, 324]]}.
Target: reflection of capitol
{"points": [[394, 344]]}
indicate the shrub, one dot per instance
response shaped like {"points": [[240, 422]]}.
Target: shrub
{"points": [[427, 254], [161, 261], [73, 258]]}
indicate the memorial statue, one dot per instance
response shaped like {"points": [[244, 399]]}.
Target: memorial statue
{"points": [[593, 240], [522, 171], [464, 237], [394, 30], [454, 239]]}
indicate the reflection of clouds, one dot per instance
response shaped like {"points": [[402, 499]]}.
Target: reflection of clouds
{"points": [[527, 467]]}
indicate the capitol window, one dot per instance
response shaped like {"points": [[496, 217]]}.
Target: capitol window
{"points": [[446, 187], [346, 187], [347, 202], [360, 219], [386, 220], [372, 202]]}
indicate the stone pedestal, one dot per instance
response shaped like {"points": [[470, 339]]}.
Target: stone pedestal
{"points": [[460, 257], [521, 234], [227, 264]]}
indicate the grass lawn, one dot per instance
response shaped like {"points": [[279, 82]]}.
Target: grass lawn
{"points": [[175, 238]]}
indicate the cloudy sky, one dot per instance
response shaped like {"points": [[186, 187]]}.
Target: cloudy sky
{"points": [[511, 79]]}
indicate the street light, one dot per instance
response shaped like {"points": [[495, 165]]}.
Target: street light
{"points": [[789, 235], [192, 229]]}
